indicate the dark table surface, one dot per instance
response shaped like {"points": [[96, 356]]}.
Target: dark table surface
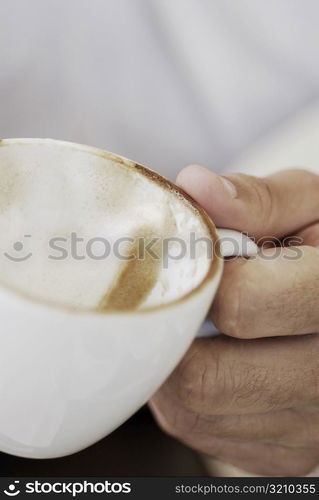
{"points": [[137, 448]]}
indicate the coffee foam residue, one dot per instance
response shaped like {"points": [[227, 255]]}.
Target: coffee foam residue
{"points": [[48, 191]]}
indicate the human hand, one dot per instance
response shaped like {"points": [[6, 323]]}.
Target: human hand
{"points": [[251, 397]]}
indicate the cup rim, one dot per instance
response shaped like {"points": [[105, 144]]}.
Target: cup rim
{"points": [[216, 261]]}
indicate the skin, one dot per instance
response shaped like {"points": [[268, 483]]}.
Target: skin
{"points": [[250, 397]]}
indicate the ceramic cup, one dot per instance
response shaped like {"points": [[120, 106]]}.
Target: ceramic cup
{"points": [[70, 376]]}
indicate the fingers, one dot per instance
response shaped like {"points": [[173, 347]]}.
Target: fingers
{"points": [[310, 235], [273, 294], [259, 458], [284, 427], [265, 296], [224, 376], [247, 403], [273, 206], [283, 442]]}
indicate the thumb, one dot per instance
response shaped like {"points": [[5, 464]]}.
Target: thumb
{"points": [[275, 206]]}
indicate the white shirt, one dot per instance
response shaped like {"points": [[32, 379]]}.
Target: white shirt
{"points": [[164, 82]]}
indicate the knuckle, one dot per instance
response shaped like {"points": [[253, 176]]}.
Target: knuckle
{"points": [[261, 195], [190, 380], [233, 312], [224, 314], [201, 382], [250, 384], [264, 200]]}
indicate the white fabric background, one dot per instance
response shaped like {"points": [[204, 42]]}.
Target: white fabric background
{"points": [[163, 82]]}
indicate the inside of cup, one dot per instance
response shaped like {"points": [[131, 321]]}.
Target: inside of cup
{"points": [[86, 229]]}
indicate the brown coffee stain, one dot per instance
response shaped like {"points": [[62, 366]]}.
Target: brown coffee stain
{"points": [[137, 276]]}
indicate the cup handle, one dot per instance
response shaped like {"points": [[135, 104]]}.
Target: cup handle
{"points": [[233, 243]]}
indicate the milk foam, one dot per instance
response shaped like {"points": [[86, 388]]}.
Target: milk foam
{"points": [[50, 189]]}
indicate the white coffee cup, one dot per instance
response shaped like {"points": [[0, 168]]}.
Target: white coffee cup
{"points": [[70, 376]]}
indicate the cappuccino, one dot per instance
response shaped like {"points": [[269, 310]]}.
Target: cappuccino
{"points": [[87, 229], [105, 276]]}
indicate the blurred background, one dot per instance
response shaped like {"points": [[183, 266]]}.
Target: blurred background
{"points": [[163, 83]]}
